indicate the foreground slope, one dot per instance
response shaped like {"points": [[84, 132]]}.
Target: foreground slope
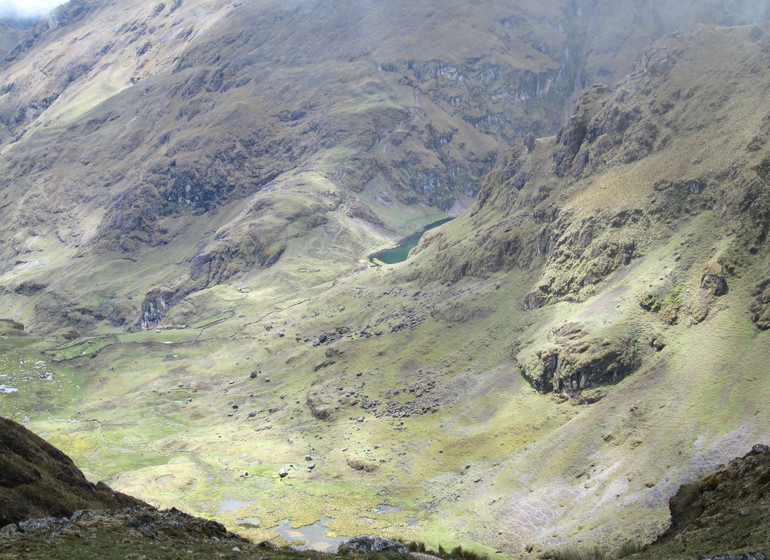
{"points": [[546, 369], [38, 480], [725, 511]]}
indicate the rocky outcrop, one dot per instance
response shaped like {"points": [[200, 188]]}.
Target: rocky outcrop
{"points": [[744, 556], [9, 327], [217, 264], [583, 252], [38, 480], [29, 288], [321, 406], [714, 281], [760, 307], [138, 521], [570, 156], [154, 307], [576, 361], [723, 515]]}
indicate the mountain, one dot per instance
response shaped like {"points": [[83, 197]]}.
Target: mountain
{"points": [[230, 138], [185, 201]]}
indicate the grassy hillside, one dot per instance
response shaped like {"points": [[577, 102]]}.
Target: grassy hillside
{"points": [[196, 141]]}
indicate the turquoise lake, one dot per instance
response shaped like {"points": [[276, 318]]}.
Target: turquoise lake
{"points": [[400, 252]]}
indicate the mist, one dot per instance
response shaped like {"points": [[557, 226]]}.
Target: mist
{"points": [[27, 8]]}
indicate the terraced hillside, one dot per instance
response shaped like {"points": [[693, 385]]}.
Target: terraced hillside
{"points": [[183, 233]]}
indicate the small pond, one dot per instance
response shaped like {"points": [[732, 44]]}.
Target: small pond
{"points": [[400, 252], [314, 536], [233, 505], [386, 508]]}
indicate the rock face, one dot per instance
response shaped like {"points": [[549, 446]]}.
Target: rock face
{"points": [[37, 480], [760, 307], [724, 515], [574, 361]]}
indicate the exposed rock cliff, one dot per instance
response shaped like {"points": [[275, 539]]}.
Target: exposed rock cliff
{"points": [[723, 515]]}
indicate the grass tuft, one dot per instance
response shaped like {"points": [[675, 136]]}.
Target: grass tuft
{"points": [[574, 553], [460, 552], [629, 548]]}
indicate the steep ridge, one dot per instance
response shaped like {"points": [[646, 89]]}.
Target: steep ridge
{"points": [[235, 135], [38, 480], [11, 31]]}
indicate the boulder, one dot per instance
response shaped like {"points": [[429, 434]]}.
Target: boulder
{"points": [[364, 544], [713, 280]]}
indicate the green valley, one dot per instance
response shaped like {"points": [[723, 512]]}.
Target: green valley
{"points": [[191, 191]]}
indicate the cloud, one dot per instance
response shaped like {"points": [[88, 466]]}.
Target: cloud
{"points": [[27, 8]]}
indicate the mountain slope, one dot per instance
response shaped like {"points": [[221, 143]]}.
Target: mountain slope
{"points": [[645, 220], [205, 146]]}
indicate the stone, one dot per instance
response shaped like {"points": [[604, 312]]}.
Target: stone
{"points": [[714, 283], [744, 556], [657, 344], [8, 530], [760, 448], [283, 472], [45, 523], [366, 544]]}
